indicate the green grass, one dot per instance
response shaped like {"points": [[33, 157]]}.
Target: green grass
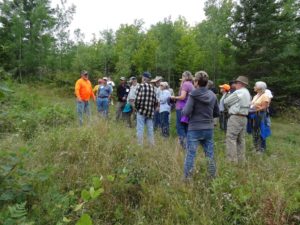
{"points": [[142, 185]]}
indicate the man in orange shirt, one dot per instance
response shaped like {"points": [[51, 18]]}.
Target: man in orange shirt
{"points": [[83, 92]]}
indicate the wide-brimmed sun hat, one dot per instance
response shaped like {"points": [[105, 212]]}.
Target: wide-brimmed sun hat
{"points": [[243, 80], [157, 78]]}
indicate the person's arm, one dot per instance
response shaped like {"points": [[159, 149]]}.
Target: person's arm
{"points": [[262, 107], [109, 91], [231, 99], [264, 104], [181, 97], [95, 89], [188, 108], [138, 98], [77, 88]]}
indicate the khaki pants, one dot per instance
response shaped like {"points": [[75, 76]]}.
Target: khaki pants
{"points": [[235, 138], [119, 110]]}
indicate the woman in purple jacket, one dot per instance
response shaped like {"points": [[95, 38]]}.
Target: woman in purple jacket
{"points": [[185, 88]]}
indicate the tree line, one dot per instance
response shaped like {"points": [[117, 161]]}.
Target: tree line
{"points": [[260, 39]]}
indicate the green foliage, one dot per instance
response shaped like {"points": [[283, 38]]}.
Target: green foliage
{"points": [[17, 214], [15, 180], [265, 36], [18, 211], [18, 185], [26, 113], [70, 176], [85, 219], [128, 39], [27, 46]]}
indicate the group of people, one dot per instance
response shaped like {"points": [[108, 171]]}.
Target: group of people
{"points": [[197, 107]]}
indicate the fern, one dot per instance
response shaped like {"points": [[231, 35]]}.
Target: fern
{"points": [[18, 211], [18, 215]]}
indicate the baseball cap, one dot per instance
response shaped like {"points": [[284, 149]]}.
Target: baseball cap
{"points": [[122, 78], [84, 72], [147, 75], [226, 87], [105, 78]]}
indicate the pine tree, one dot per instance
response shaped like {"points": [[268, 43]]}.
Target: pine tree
{"points": [[256, 35]]}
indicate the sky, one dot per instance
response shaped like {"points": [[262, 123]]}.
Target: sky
{"points": [[93, 16]]}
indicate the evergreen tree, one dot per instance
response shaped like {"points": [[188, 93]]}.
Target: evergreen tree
{"points": [[256, 35], [265, 34]]}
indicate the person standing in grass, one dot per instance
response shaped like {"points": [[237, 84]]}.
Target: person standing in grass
{"points": [[122, 93], [201, 107], [185, 88], [224, 89], [131, 99], [259, 117], [156, 83], [96, 88], [103, 96], [111, 83], [145, 104], [164, 108], [83, 92], [238, 104]]}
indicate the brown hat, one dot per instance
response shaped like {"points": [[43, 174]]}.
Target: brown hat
{"points": [[243, 80]]}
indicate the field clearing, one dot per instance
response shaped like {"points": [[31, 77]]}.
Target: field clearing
{"points": [[57, 161]]}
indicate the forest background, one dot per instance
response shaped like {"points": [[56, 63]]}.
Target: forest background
{"points": [[54, 172], [260, 39]]}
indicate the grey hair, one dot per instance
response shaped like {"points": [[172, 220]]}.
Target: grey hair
{"points": [[210, 84], [165, 85], [261, 85], [188, 75]]}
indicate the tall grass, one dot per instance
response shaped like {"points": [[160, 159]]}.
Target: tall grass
{"points": [[143, 185], [264, 191]]}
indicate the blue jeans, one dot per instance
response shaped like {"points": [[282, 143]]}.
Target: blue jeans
{"points": [[259, 142], [181, 128], [102, 106], [83, 107], [157, 122], [140, 123], [194, 138], [164, 120]]}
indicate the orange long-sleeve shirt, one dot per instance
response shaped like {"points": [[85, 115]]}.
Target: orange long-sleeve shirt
{"points": [[83, 89]]}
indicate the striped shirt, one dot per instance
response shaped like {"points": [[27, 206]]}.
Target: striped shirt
{"points": [[146, 100]]}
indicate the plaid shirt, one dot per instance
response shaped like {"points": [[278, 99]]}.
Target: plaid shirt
{"points": [[146, 100]]}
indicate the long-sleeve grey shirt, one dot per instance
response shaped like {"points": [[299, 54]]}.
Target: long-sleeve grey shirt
{"points": [[238, 102]]}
